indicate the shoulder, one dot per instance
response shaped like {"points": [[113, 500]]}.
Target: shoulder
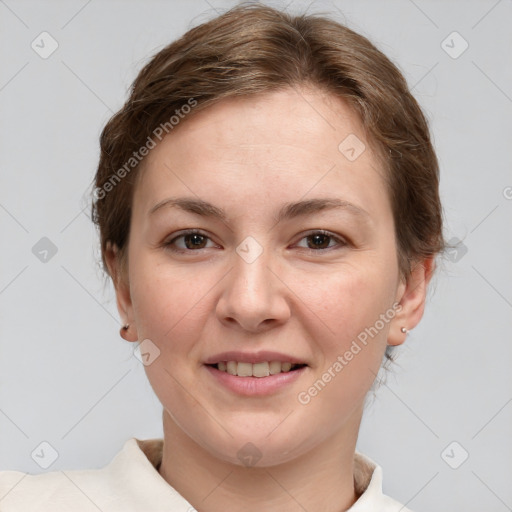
{"points": [[388, 504], [368, 484], [129, 483], [54, 490]]}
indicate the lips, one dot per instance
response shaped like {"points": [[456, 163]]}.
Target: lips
{"points": [[255, 386]]}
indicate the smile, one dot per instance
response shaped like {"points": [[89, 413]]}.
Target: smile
{"points": [[263, 369]]}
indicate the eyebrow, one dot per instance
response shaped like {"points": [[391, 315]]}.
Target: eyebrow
{"points": [[286, 212]]}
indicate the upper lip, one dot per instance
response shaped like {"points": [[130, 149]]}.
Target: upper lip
{"points": [[253, 357]]}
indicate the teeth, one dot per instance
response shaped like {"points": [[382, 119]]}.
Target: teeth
{"points": [[253, 370], [244, 369], [231, 367], [260, 369]]}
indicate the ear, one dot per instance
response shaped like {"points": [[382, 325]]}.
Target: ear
{"points": [[122, 289], [411, 295]]}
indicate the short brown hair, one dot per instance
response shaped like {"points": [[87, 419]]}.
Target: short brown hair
{"points": [[254, 49]]}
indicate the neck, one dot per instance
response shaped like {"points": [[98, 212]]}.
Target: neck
{"points": [[319, 480]]}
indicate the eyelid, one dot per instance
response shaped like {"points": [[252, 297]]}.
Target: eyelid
{"points": [[185, 232], [340, 241]]}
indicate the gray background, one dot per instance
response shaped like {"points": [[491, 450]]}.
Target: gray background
{"points": [[67, 378]]}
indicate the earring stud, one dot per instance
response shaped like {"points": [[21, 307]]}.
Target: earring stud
{"points": [[404, 330], [123, 330]]}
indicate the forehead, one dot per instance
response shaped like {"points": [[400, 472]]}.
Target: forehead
{"points": [[298, 117], [289, 140]]}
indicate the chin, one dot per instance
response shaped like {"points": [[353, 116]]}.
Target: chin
{"points": [[260, 449]]}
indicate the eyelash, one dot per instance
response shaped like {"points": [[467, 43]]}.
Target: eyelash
{"points": [[169, 245]]}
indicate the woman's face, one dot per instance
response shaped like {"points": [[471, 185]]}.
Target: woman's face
{"points": [[256, 281]]}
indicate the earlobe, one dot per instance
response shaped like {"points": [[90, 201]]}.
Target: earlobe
{"points": [[411, 296], [125, 333]]}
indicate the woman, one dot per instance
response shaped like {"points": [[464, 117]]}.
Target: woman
{"points": [[268, 208]]}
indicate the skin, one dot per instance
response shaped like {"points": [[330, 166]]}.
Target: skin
{"points": [[249, 156]]}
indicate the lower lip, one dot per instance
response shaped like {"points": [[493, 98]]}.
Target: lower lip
{"points": [[256, 386]]}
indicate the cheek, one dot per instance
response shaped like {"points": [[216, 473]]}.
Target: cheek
{"points": [[353, 347], [163, 301], [170, 308], [356, 306], [349, 300]]}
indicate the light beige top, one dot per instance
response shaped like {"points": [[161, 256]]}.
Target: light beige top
{"points": [[131, 483]]}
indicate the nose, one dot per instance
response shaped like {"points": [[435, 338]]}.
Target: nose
{"points": [[254, 297]]}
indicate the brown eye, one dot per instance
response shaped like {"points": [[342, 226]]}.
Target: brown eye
{"points": [[188, 242], [194, 241], [322, 240], [319, 241]]}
